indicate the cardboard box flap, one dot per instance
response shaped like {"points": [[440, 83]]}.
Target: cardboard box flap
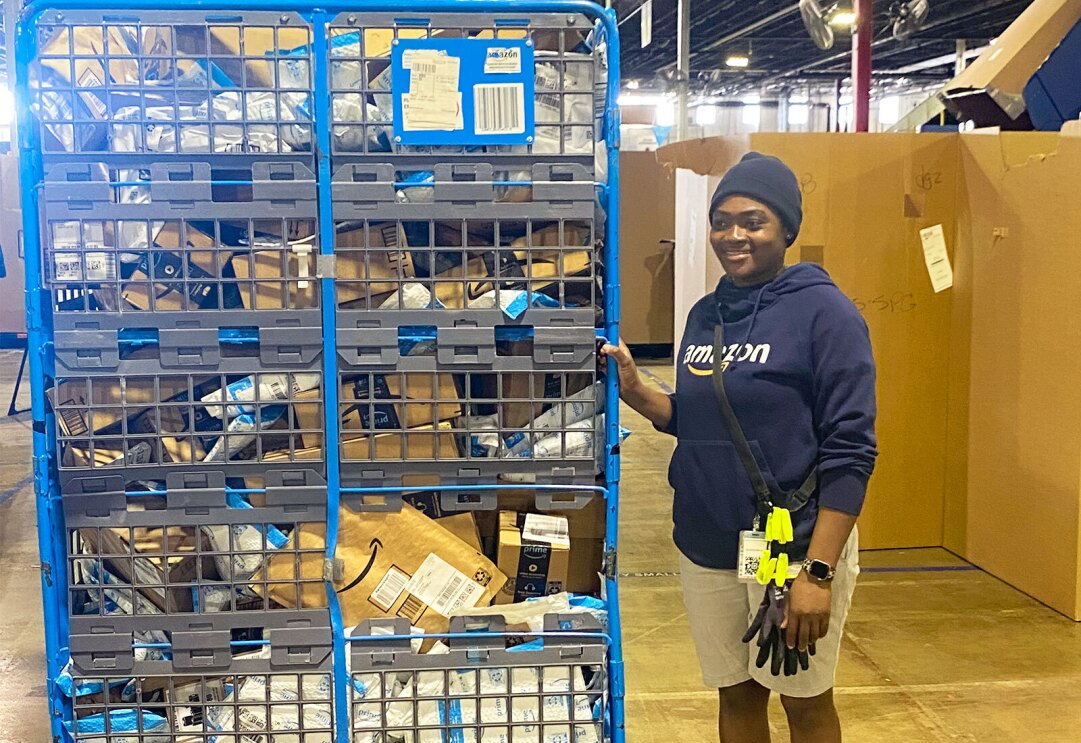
{"points": [[710, 156]]}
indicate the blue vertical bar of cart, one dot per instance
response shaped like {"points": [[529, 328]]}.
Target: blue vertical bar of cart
{"points": [[39, 343], [610, 32], [322, 108]]}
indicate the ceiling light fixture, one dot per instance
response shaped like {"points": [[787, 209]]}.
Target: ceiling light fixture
{"points": [[843, 15], [738, 59]]}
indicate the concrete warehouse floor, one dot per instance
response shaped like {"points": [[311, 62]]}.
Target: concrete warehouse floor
{"points": [[929, 655]]}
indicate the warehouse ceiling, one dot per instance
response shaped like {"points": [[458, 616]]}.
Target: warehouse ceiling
{"points": [[781, 51]]}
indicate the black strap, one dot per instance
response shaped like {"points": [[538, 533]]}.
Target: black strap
{"points": [[765, 497]]}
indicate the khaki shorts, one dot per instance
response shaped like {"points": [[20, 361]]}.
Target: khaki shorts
{"points": [[720, 609]]}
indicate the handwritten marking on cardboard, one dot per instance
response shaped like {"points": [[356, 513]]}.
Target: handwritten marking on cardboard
{"points": [[937, 258]]}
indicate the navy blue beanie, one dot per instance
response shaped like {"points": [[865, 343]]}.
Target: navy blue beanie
{"points": [[764, 178]]}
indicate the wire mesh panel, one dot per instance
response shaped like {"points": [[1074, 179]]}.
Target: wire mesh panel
{"points": [[239, 682], [568, 78], [172, 82], [551, 690], [136, 559], [141, 427]]}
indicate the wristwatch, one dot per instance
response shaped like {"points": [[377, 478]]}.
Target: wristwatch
{"points": [[820, 570]]}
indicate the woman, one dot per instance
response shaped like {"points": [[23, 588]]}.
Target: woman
{"points": [[798, 373]]}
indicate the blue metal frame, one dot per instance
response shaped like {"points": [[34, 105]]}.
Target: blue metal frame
{"points": [[51, 538]]}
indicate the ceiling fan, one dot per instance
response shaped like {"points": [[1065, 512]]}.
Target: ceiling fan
{"points": [[816, 19], [908, 17]]}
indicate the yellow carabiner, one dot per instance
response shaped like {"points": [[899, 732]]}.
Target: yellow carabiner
{"points": [[769, 527], [781, 521]]}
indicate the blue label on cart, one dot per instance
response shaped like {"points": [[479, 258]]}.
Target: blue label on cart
{"points": [[463, 91]]}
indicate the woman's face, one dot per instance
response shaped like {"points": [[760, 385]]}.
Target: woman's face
{"points": [[749, 239]]}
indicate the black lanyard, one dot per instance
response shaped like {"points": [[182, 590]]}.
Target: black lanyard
{"points": [[766, 498]]}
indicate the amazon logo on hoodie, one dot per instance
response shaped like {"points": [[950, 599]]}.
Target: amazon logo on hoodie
{"points": [[699, 359]]}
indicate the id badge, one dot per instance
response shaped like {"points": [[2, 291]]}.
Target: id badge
{"points": [[751, 546]]}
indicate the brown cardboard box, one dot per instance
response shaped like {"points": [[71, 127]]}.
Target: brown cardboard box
{"points": [[108, 453], [586, 526], [989, 91], [463, 526], [647, 194], [280, 287], [197, 268], [532, 567], [125, 561], [421, 443], [393, 410], [113, 400], [377, 265], [395, 564]]}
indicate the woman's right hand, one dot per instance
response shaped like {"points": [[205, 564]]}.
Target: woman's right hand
{"points": [[625, 366]]}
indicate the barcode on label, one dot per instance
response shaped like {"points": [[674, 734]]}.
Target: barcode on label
{"points": [[412, 609], [450, 590], [277, 389], [499, 109], [388, 591], [423, 68]]}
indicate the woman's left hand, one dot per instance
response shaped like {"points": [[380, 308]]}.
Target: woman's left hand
{"points": [[807, 612]]}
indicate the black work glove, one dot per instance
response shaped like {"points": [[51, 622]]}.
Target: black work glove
{"points": [[766, 626]]}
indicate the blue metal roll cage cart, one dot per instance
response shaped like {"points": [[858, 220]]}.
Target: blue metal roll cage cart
{"points": [[51, 531]]}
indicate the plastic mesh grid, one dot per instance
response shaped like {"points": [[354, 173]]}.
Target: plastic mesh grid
{"points": [[172, 568], [465, 264], [361, 93], [543, 703], [179, 84], [232, 708], [148, 265], [173, 420]]}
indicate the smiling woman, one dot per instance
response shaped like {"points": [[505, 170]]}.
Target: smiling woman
{"points": [[774, 413]]}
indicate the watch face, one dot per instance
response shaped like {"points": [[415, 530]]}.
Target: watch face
{"points": [[819, 570]]}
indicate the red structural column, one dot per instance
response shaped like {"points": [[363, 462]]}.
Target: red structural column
{"points": [[861, 63]]}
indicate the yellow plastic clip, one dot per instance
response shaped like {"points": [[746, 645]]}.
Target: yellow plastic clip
{"points": [[780, 574], [766, 567], [769, 527]]}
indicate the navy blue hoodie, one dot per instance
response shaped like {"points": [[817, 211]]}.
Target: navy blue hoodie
{"points": [[801, 380]]}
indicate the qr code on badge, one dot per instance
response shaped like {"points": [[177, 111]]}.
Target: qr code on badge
{"points": [[749, 564]]}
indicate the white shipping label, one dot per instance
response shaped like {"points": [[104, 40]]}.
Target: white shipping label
{"points": [[548, 529], [100, 266], [418, 117], [390, 589], [443, 587], [505, 60], [433, 101], [67, 267], [937, 258]]}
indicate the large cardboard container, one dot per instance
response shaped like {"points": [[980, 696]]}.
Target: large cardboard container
{"points": [[647, 228], [989, 91], [865, 200], [976, 384]]}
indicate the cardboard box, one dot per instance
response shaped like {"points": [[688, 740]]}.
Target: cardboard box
{"points": [[421, 443], [989, 91], [392, 409], [203, 276], [463, 526], [372, 265], [150, 575], [647, 195], [587, 527], [395, 564], [534, 553], [521, 386], [281, 286], [113, 400], [107, 454]]}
